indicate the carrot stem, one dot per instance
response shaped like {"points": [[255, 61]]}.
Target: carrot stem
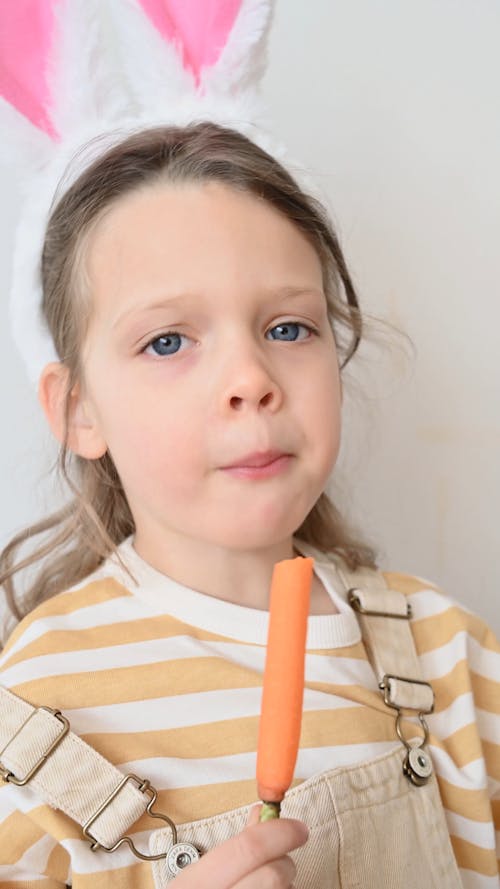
{"points": [[269, 811]]}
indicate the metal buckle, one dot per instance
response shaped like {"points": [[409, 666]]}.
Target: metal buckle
{"points": [[417, 765], [9, 776], [384, 685], [356, 604], [145, 787]]}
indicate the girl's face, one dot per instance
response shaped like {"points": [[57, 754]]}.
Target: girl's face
{"points": [[209, 340]]}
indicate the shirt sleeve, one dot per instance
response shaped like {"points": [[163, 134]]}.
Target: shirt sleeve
{"points": [[476, 837], [460, 656], [29, 858], [485, 678]]}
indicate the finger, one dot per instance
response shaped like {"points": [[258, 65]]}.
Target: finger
{"points": [[254, 814], [275, 875], [254, 847]]}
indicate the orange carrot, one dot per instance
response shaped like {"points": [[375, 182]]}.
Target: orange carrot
{"points": [[283, 689]]}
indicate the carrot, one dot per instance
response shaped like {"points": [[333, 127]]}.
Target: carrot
{"points": [[283, 688]]}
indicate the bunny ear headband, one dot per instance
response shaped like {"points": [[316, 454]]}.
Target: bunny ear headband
{"points": [[71, 70]]}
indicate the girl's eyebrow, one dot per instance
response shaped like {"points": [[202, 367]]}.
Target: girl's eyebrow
{"points": [[286, 292], [163, 303]]}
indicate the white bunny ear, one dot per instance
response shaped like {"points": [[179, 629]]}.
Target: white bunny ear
{"points": [[242, 62], [197, 57], [23, 145], [85, 86], [149, 67]]}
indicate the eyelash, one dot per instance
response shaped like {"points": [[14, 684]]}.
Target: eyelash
{"points": [[168, 333]]}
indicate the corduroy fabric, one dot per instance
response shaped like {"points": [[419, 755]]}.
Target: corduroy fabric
{"points": [[369, 828]]}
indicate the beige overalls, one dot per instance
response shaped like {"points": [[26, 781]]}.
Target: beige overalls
{"points": [[369, 824], [380, 823]]}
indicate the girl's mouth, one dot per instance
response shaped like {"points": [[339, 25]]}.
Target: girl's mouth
{"points": [[271, 468]]}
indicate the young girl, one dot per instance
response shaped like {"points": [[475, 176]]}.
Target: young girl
{"points": [[202, 312]]}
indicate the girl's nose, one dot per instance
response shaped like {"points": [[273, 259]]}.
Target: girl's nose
{"points": [[249, 383]]}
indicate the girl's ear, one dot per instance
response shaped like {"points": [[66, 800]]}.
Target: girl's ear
{"points": [[84, 435]]}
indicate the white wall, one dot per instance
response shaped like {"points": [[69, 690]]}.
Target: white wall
{"points": [[394, 106]]}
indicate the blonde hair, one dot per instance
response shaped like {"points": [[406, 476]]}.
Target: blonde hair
{"points": [[98, 518]]}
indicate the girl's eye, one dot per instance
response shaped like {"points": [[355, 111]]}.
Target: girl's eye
{"points": [[288, 331], [166, 344], [169, 343]]}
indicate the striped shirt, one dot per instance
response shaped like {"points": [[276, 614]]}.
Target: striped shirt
{"points": [[165, 682]]}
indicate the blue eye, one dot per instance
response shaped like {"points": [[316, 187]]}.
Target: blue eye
{"points": [[166, 344], [169, 343], [290, 329]]}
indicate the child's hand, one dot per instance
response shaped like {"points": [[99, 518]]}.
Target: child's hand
{"points": [[254, 859]]}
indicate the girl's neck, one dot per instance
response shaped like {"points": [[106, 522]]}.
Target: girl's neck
{"points": [[242, 577]]}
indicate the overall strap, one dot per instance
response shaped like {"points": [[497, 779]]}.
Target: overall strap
{"points": [[37, 746], [384, 617]]}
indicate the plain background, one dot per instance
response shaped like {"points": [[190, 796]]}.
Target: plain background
{"points": [[394, 108]]}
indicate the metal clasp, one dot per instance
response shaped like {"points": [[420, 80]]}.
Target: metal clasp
{"points": [[9, 776], [384, 685], [417, 766], [145, 787]]}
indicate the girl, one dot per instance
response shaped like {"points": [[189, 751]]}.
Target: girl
{"points": [[202, 312]]}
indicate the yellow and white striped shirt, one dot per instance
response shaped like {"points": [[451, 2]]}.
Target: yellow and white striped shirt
{"points": [[165, 682]]}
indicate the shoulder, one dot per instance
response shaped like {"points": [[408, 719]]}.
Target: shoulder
{"points": [[85, 605], [437, 614], [439, 619], [425, 597]]}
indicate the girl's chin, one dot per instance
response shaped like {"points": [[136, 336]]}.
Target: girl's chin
{"points": [[261, 537]]}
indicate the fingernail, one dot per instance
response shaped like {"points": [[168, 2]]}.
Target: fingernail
{"points": [[253, 812]]}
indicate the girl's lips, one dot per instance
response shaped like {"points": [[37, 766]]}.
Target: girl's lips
{"points": [[269, 469], [257, 458]]}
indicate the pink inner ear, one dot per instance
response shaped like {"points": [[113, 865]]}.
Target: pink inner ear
{"points": [[200, 28], [25, 37]]}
